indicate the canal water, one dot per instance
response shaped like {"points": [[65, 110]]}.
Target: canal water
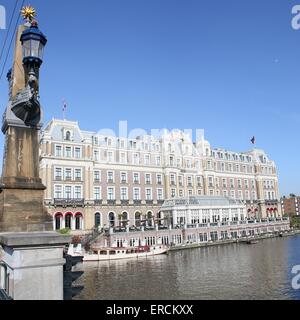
{"points": [[235, 271]]}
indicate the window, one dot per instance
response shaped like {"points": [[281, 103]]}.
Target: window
{"points": [[171, 161], [68, 174], [78, 192], [147, 159], [96, 176], [159, 179], [68, 192], [123, 157], [180, 180], [136, 178], [68, 221], [58, 192], [123, 177], [68, 151], [110, 156], [78, 175], [190, 192], [58, 151], [122, 144], [157, 161], [188, 163], [199, 181], [58, 174], [97, 193], [239, 184], [124, 193], [149, 194], [68, 136], [160, 194], [173, 193], [110, 193], [96, 155], [110, 177], [136, 194], [172, 180], [77, 153], [136, 158], [97, 220], [148, 178]]}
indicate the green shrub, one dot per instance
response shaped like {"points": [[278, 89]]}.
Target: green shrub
{"points": [[65, 231]]}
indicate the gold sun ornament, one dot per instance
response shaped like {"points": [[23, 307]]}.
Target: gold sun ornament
{"points": [[28, 13]]}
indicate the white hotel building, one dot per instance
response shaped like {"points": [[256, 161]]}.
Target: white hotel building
{"points": [[99, 181]]}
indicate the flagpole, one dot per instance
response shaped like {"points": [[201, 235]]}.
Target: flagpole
{"points": [[64, 109]]}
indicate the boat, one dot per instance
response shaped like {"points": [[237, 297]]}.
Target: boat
{"points": [[107, 254], [252, 242]]}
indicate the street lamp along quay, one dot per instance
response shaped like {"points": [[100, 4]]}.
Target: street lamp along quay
{"points": [[26, 105]]}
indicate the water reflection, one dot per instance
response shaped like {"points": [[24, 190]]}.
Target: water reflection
{"points": [[239, 271]]}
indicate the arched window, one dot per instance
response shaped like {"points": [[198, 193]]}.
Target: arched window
{"points": [[112, 219], [137, 219], [124, 219], [97, 220], [68, 220], [78, 221], [150, 219], [58, 221], [68, 136]]}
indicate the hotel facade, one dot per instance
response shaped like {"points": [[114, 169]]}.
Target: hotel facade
{"points": [[95, 180]]}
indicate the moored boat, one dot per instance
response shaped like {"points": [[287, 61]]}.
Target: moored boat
{"points": [[104, 254]]}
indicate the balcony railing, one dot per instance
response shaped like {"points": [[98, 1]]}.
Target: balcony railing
{"points": [[149, 201], [124, 202], [69, 202], [137, 202], [111, 202], [98, 202]]}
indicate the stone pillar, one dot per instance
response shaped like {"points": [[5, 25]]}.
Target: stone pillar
{"points": [[189, 216], [35, 264], [174, 213]]}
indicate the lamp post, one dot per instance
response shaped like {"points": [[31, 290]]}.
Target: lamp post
{"points": [[33, 44], [22, 207]]}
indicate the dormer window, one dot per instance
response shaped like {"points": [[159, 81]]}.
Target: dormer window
{"points": [[68, 136]]}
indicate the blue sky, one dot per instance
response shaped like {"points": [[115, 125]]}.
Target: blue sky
{"points": [[229, 67]]}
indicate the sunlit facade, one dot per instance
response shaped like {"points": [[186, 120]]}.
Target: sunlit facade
{"points": [[101, 181]]}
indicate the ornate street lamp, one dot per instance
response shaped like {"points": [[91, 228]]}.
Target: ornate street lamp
{"points": [[26, 105], [33, 43]]}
